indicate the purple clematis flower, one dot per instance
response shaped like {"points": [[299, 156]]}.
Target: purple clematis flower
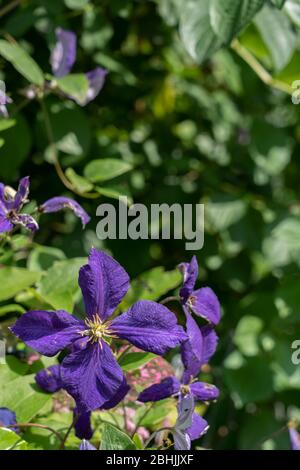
{"points": [[11, 203], [64, 53], [56, 204], [63, 58], [83, 428], [85, 445], [203, 302], [7, 418], [90, 373], [189, 425], [294, 436], [171, 386], [49, 379], [202, 341]]}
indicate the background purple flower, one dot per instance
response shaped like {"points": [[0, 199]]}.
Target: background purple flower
{"points": [[64, 53], [11, 203], [90, 373], [4, 100], [7, 417], [58, 203]]}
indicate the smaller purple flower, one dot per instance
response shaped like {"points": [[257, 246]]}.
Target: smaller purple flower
{"points": [[58, 203], [171, 386], [294, 436], [49, 379], [203, 302], [189, 425], [7, 418], [85, 445], [63, 55], [96, 79], [11, 204], [4, 100]]}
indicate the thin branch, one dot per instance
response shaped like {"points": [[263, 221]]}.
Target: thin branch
{"points": [[172, 298], [257, 67], [74, 421], [36, 425], [7, 8], [138, 424]]}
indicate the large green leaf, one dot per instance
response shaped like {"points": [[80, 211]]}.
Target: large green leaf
{"points": [[278, 35], [229, 17], [196, 31], [282, 245], [9, 440], [14, 280], [74, 85], [59, 287], [278, 3], [22, 62], [105, 169], [114, 439]]}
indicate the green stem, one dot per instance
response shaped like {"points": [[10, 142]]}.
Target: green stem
{"points": [[172, 298], [36, 425], [257, 67], [154, 434], [7, 8], [142, 418]]}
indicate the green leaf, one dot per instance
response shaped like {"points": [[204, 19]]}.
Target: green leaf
{"points": [[74, 85], [76, 4], [151, 285], [114, 439], [23, 397], [278, 3], [224, 212], [9, 440], [229, 17], [276, 30], [42, 257], [105, 169], [11, 308], [282, 245], [246, 335], [292, 9], [22, 62], [59, 287], [14, 280], [80, 183], [195, 29], [135, 360]]}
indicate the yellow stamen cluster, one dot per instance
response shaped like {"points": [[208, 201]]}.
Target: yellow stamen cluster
{"points": [[185, 389], [97, 330]]}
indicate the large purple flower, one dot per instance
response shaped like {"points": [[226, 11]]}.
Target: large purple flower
{"points": [[11, 204], [90, 373]]}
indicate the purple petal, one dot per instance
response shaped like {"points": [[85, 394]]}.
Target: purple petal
{"points": [[104, 283], [22, 194], [56, 204], [204, 391], [166, 388], [149, 326], [7, 417], [5, 225], [198, 427], [185, 408], [191, 350], [47, 332], [210, 343], [49, 379], [182, 440], [85, 445], [26, 221], [205, 303], [83, 428], [190, 274], [96, 79], [121, 393], [91, 376], [294, 438], [64, 53]]}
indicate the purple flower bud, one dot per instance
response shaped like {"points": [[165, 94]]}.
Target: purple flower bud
{"points": [[64, 53], [56, 204]]}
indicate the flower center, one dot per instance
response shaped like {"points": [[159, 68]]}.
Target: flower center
{"points": [[185, 389], [97, 330]]}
